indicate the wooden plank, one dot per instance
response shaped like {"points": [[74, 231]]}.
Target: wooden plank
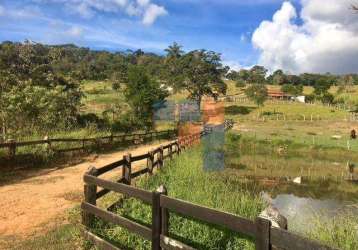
{"points": [[212, 216], [66, 140], [109, 167], [157, 150], [120, 188], [155, 163], [131, 226], [98, 242], [287, 240], [69, 149], [171, 244], [139, 157], [106, 191], [139, 173], [29, 143]]}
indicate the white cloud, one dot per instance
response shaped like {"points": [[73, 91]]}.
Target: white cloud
{"points": [[152, 13], [144, 9], [325, 41], [75, 31], [234, 65]]}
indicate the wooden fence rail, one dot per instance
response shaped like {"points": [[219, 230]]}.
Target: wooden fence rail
{"points": [[135, 138], [259, 230]]}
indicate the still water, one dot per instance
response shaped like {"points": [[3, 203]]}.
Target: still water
{"points": [[311, 201]]}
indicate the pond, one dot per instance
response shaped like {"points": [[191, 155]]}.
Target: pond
{"points": [[305, 184], [311, 201]]}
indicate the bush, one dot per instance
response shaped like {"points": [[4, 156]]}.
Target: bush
{"points": [[310, 98], [327, 98], [128, 123], [84, 119], [116, 85]]}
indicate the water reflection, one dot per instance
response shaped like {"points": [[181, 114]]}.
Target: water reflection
{"points": [[302, 213]]}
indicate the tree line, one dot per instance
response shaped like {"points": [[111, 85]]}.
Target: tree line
{"points": [[254, 82], [41, 84]]}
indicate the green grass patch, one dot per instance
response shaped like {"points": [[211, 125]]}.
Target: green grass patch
{"points": [[185, 179]]}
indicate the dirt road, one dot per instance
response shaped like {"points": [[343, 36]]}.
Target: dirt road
{"points": [[30, 205]]}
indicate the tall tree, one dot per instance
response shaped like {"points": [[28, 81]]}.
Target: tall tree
{"points": [[142, 93], [174, 51], [257, 75], [278, 77], [257, 93], [202, 73]]}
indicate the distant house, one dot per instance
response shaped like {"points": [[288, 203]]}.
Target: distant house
{"points": [[278, 94]]}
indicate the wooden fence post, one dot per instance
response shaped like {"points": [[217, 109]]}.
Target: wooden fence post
{"points": [[127, 169], [90, 193], [150, 161], [262, 234], [164, 212], [170, 151], [161, 157], [178, 146], [111, 138], [12, 148], [157, 218]]}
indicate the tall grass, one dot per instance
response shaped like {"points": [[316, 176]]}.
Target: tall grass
{"points": [[341, 232], [185, 178]]}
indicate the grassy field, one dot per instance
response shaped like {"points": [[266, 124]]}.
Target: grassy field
{"points": [[185, 179]]}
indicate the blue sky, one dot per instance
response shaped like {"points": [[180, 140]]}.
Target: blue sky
{"points": [[225, 26], [294, 35]]}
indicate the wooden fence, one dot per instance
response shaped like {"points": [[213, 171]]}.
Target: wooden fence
{"points": [[84, 143], [260, 230]]}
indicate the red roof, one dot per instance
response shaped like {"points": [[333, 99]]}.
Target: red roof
{"points": [[277, 93]]}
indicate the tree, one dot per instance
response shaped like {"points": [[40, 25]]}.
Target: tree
{"points": [[278, 77], [33, 95], [294, 90], [242, 78], [346, 83], [201, 74], [321, 86], [257, 93], [174, 51], [257, 75], [142, 93], [327, 98]]}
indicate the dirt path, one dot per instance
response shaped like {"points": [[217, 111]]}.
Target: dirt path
{"points": [[29, 206]]}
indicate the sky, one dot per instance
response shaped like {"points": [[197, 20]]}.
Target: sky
{"points": [[296, 36]]}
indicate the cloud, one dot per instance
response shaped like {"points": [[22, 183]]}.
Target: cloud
{"points": [[152, 13], [2, 10], [75, 31], [234, 65], [321, 38], [144, 9]]}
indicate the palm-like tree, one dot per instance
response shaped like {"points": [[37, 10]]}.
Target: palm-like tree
{"points": [[174, 50]]}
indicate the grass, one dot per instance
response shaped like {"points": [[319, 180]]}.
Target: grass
{"points": [[185, 179], [342, 233]]}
